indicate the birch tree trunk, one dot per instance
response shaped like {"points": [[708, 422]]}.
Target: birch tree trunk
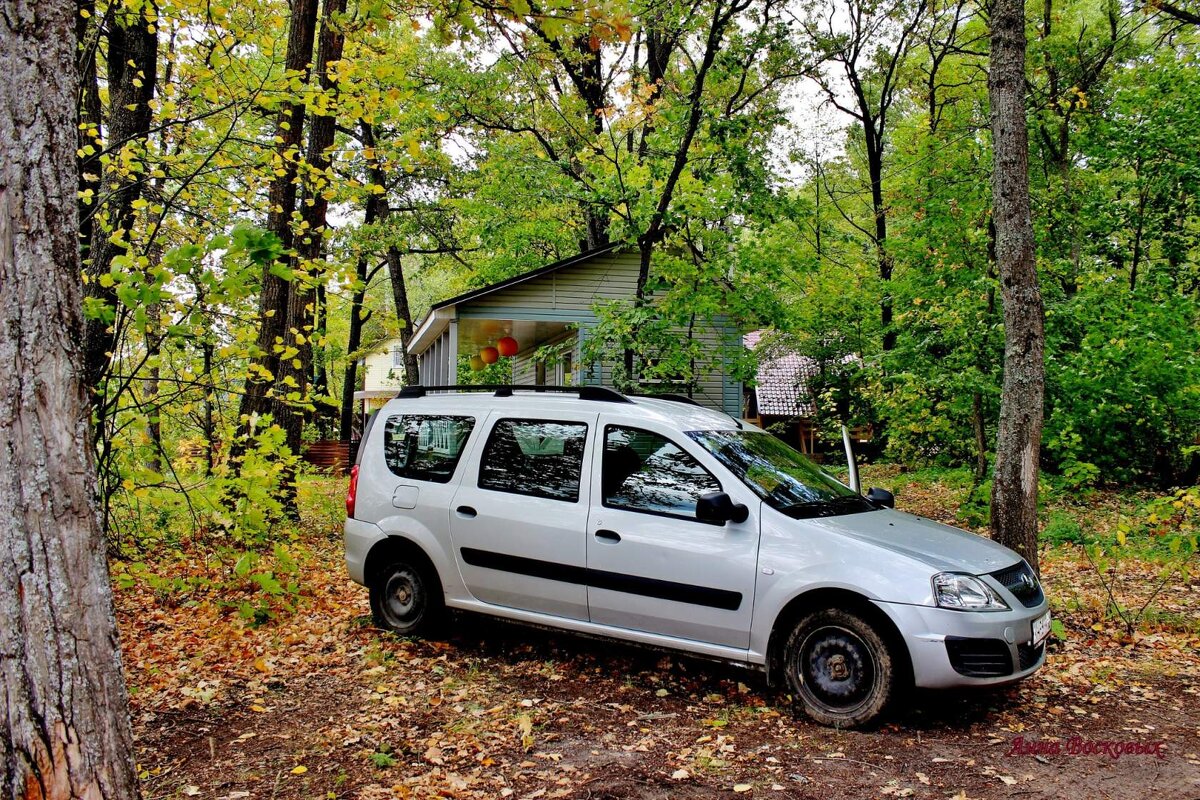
{"points": [[1014, 488], [64, 715]]}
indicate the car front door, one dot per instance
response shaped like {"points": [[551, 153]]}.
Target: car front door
{"points": [[652, 566], [519, 516]]}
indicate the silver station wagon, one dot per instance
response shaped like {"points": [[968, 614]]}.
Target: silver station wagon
{"points": [[660, 522]]}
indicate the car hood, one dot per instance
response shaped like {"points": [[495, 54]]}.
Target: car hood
{"points": [[940, 546]]}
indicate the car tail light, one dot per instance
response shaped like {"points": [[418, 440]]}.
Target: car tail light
{"points": [[352, 491]]}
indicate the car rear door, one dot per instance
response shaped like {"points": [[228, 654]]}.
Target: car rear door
{"points": [[519, 515], [652, 566]]}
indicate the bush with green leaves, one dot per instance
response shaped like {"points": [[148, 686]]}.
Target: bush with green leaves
{"points": [[1123, 386]]}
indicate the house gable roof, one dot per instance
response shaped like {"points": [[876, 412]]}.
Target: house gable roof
{"points": [[525, 276], [441, 313]]}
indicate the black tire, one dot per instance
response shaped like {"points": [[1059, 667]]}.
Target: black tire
{"points": [[840, 668], [406, 598]]}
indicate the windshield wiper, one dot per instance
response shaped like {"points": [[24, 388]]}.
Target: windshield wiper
{"points": [[829, 507]]}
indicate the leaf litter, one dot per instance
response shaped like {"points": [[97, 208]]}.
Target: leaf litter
{"points": [[320, 704]]}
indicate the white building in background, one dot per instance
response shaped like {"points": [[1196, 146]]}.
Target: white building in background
{"points": [[383, 376]]}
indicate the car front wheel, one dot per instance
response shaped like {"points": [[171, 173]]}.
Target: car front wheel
{"points": [[840, 668], [405, 599]]}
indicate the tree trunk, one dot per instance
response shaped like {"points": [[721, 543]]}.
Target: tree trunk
{"points": [[354, 338], [395, 262], [301, 304], [412, 369], [1014, 492], [63, 704], [273, 295], [320, 369], [883, 256], [979, 426], [132, 73], [207, 425]]}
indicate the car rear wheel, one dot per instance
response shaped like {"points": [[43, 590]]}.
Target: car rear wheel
{"points": [[840, 668], [405, 599]]}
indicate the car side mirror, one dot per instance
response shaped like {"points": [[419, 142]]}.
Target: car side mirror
{"points": [[881, 497], [719, 508]]}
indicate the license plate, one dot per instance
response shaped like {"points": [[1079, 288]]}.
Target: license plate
{"points": [[1041, 628]]}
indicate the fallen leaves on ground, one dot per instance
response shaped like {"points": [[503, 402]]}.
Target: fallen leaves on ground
{"points": [[320, 704]]}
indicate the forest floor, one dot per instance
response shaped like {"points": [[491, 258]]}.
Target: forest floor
{"points": [[318, 704]]}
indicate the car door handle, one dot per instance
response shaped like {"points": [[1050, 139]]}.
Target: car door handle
{"points": [[466, 511], [608, 536]]}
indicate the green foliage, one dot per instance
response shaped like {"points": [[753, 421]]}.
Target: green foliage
{"points": [[1062, 528], [1165, 532], [1123, 384]]}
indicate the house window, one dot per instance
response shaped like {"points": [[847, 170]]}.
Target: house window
{"points": [[425, 448], [398, 357], [539, 458], [565, 369], [646, 472], [653, 374]]}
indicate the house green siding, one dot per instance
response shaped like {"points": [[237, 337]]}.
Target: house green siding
{"points": [[570, 295], [606, 277]]}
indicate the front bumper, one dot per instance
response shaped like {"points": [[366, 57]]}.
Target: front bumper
{"points": [[986, 637]]}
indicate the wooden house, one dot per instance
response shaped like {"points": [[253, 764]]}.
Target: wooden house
{"points": [[556, 305]]}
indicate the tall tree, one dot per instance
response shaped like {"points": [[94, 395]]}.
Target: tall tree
{"points": [[1015, 484], [868, 40], [302, 298], [131, 34], [63, 702], [274, 293]]}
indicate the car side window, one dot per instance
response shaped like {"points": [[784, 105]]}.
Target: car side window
{"points": [[425, 447], [643, 471], [539, 458]]}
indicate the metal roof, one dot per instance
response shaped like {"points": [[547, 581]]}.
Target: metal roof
{"points": [[782, 383]]}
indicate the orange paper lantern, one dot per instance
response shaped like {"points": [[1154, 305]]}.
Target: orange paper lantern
{"points": [[508, 346], [476, 363], [489, 355]]}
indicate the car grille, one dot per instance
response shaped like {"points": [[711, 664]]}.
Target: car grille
{"points": [[1028, 654], [1020, 580], [979, 658]]}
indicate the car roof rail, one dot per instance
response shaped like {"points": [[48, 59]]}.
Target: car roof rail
{"points": [[602, 394]]}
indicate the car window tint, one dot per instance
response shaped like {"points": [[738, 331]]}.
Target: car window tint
{"points": [[425, 448], [534, 457], [643, 471]]}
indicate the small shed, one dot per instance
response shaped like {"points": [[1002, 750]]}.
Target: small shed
{"points": [[781, 398], [555, 305]]}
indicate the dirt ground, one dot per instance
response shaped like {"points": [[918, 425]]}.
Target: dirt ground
{"points": [[318, 704]]}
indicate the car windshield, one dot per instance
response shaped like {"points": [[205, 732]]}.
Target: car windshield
{"points": [[782, 477]]}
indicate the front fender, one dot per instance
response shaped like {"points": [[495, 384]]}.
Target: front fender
{"points": [[798, 557]]}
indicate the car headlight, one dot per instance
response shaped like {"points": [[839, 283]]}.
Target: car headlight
{"points": [[965, 593]]}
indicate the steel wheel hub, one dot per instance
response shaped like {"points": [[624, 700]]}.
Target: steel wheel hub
{"points": [[837, 668]]}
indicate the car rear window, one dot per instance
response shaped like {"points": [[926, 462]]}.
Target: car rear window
{"points": [[425, 447]]}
